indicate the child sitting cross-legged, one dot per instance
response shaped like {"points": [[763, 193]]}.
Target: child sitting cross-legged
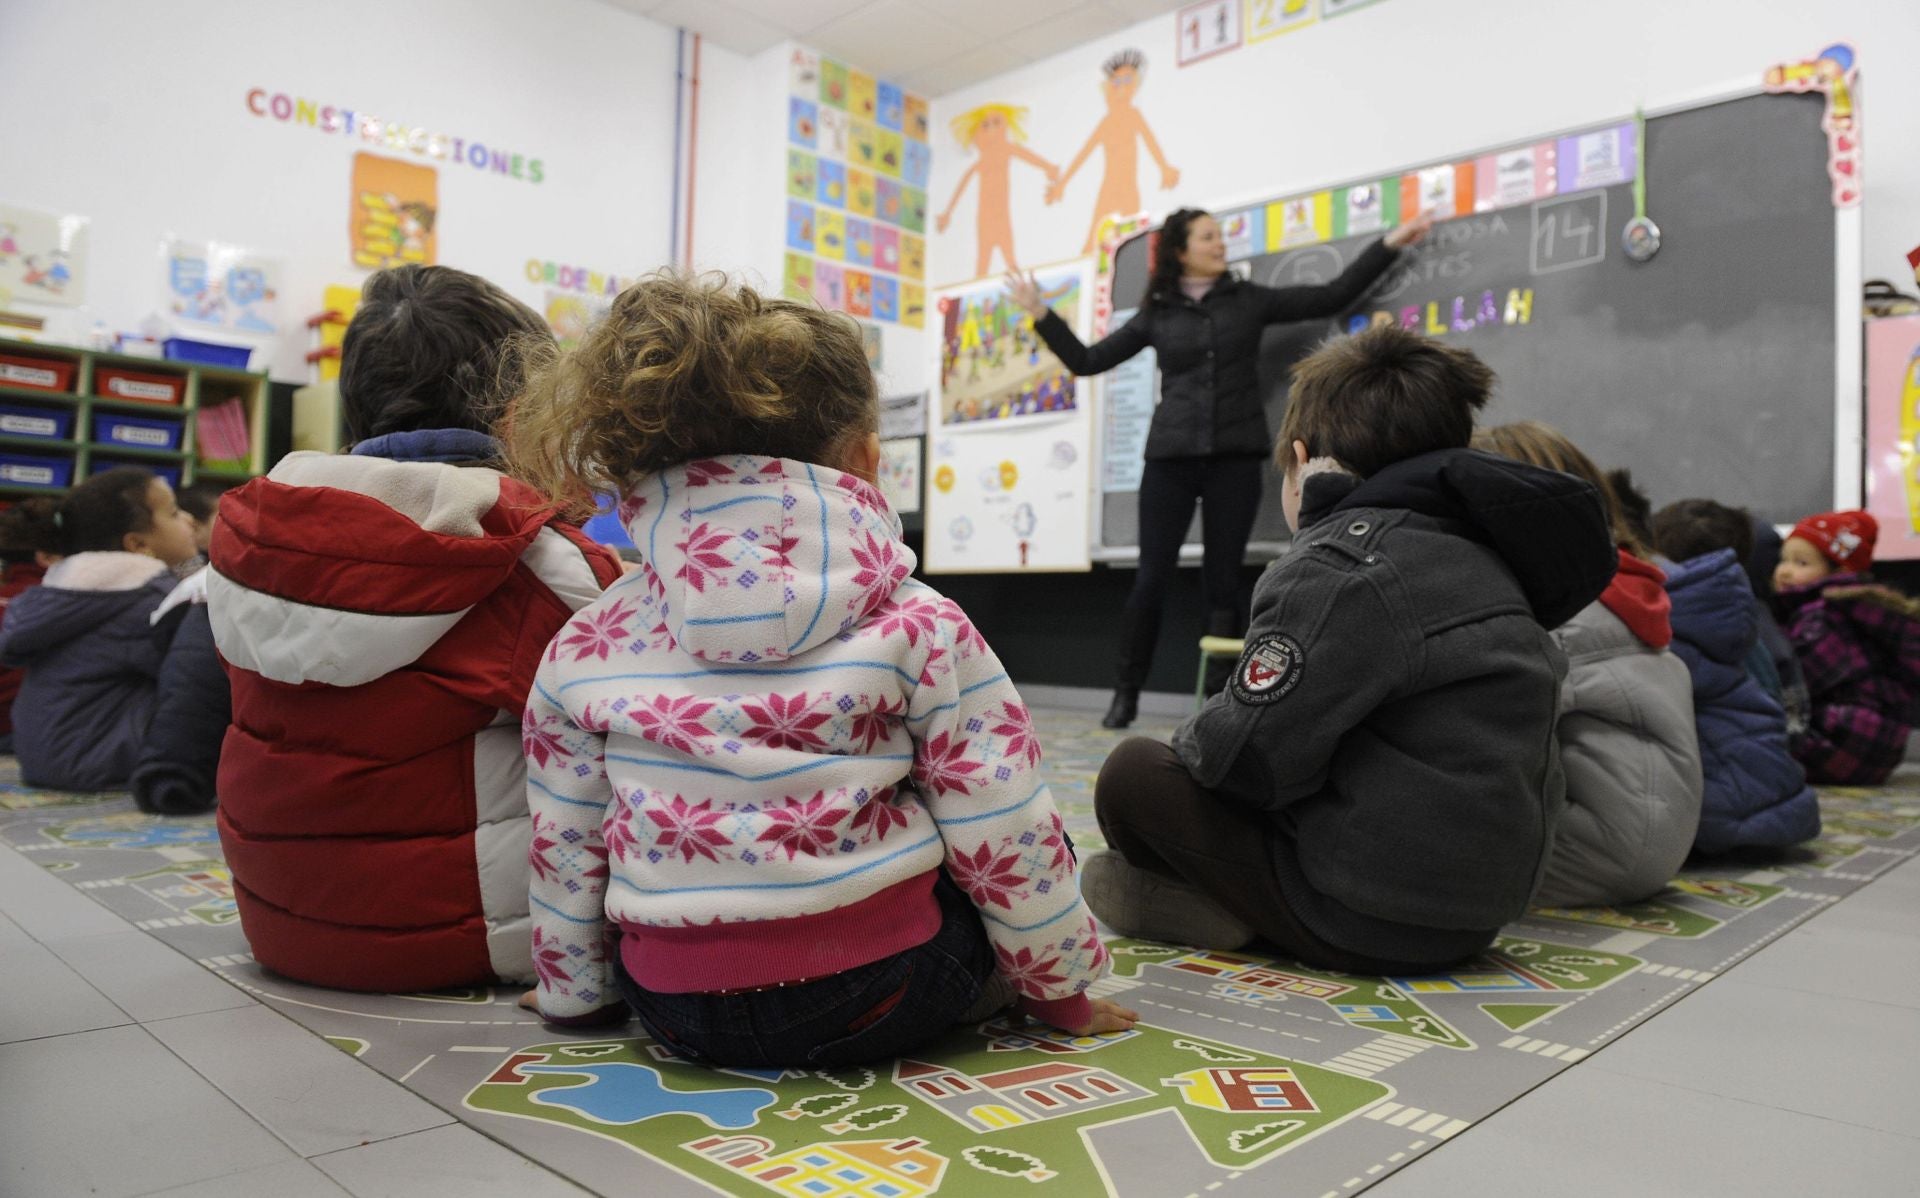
{"points": [[1376, 789], [1859, 645], [786, 802]]}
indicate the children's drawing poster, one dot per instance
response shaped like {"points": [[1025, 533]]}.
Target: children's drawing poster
{"points": [[1893, 434], [394, 212], [1009, 453], [221, 286], [43, 256], [570, 314]]}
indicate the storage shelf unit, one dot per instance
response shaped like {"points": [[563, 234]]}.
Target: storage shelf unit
{"points": [[80, 450]]}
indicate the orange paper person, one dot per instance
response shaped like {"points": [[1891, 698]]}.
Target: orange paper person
{"points": [[994, 133], [1116, 135]]}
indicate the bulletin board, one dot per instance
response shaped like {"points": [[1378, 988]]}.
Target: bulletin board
{"points": [[1726, 366], [1009, 433]]}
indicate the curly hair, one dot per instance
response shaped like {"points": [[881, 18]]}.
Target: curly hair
{"points": [[687, 367]]}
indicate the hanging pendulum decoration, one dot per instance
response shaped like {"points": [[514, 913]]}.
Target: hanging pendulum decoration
{"points": [[1641, 237]]}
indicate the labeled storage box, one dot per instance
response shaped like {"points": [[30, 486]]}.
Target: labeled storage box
{"points": [[26, 420], [114, 382], [39, 374], [28, 470], [139, 432], [168, 470], [207, 353]]}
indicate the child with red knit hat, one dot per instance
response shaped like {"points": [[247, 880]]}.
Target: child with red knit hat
{"points": [[1859, 643]]}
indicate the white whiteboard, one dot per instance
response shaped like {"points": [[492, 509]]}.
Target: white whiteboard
{"points": [[1009, 433]]}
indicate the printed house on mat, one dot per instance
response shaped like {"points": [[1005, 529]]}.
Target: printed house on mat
{"points": [[1242, 1090], [855, 1168], [1012, 1097]]}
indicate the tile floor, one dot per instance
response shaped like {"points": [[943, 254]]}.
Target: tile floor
{"points": [[127, 1069]]}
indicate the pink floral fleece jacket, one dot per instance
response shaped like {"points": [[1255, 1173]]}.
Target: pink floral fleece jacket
{"points": [[751, 757]]}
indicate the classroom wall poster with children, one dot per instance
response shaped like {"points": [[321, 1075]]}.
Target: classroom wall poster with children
{"points": [[1010, 434], [858, 161], [395, 211], [43, 256]]}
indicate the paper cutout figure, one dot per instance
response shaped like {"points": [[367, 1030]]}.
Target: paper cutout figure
{"points": [[1115, 136], [994, 133], [1834, 73]]}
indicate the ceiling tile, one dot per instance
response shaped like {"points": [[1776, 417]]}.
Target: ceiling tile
{"points": [[1141, 10], [952, 74], [801, 17], [1077, 25], [999, 18], [893, 38], [739, 31]]}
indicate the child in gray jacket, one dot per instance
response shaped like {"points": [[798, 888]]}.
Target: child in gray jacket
{"points": [[1376, 789]]}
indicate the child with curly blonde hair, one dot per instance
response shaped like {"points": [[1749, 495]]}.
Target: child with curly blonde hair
{"points": [[786, 802]]}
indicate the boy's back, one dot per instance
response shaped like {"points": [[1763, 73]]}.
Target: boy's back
{"points": [[1416, 711]]}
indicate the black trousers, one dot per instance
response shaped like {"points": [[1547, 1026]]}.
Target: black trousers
{"points": [[1228, 492]]}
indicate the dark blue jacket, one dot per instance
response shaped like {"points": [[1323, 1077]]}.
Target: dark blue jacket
{"points": [[180, 760], [92, 663], [1756, 793]]}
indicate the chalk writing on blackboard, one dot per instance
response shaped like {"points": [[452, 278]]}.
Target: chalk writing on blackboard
{"points": [[1569, 231]]}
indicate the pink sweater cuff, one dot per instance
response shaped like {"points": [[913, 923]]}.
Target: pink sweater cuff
{"points": [[1073, 1011]]}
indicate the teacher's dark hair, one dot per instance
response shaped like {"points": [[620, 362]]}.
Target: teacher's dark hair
{"points": [[1168, 245]]}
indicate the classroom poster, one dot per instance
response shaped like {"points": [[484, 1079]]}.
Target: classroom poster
{"points": [[220, 286], [1598, 159], [394, 211], [570, 314], [851, 140], [1893, 433], [899, 475], [43, 256], [1128, 393], [1010, 434]]}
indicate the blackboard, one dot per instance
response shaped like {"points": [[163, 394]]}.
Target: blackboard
{"points": [[1709, 370]]}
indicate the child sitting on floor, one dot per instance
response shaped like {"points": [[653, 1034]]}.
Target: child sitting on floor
{"points": [[1626, 725], [1859, 644], [1756, 794], [84, 635], [29, 522], [382, 614], [786, 802], [1377, 788]]}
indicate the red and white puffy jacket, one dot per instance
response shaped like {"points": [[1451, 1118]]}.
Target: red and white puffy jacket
{"points": [[382, 622]]}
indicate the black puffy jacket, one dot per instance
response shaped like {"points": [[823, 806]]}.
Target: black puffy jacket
{"points": [[1209, 351]]}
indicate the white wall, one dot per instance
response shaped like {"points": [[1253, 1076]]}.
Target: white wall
{"points": [[1407, 81], [133, 114]]}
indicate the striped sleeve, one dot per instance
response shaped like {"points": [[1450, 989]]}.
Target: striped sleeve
{"points": [[568, 795], [976, 766]]}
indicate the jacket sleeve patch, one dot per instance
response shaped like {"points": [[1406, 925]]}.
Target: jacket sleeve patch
{"points": [[1269, 669]]}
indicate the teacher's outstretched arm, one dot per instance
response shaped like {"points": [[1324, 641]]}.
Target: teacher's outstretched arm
{"points": [[1285, 304], [1098, 358]]}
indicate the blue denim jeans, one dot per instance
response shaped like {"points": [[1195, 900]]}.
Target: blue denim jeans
{"points": [[865, 1014]]}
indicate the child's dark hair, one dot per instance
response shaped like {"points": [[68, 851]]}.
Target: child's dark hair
{"points": [[27, 528], [1381, 396], [688, 367], [432, 347], [1545, 446], [98, 514], [1635, 508], [200, 500], [1691, 527], [1168, 244]]}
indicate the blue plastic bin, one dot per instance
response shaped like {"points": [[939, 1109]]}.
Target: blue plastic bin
{"points": [[136, 432], [207, 353], [30, 470], [27, 420], [167, 470]]}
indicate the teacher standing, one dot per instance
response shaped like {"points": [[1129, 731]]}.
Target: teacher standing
{"points": [[1208, 443]]}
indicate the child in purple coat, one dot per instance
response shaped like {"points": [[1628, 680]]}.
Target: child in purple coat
{"points": [[1859, 644]]}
